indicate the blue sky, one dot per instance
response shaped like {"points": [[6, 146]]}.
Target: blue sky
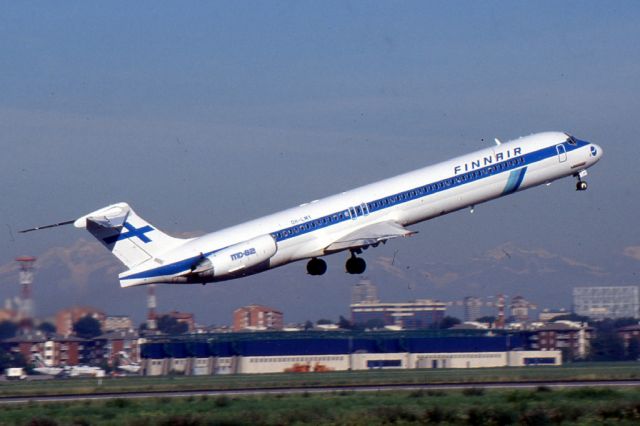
{"points": [[206, 114]]}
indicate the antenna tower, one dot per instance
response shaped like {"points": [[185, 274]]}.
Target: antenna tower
{"points": [[25, 308]]}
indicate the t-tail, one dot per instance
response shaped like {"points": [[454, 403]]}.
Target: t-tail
{"points": [[129, 237]]}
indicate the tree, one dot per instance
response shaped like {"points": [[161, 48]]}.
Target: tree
{"points": [[623, 322], [308, 325], [87, 327], [444, 323], [344, 323], [8, 360], [47, 328], [8, 329], [572, 317], [488, 319], [448, 322], [324, 321], [169, 325], [607, 346], [374, 324], [633, 350]]}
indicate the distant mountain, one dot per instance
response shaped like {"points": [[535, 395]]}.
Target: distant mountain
{"points": [[537, 274], [85, 273]]}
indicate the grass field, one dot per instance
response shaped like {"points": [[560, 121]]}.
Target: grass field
{"points": [[468, 407], [581, 371]]}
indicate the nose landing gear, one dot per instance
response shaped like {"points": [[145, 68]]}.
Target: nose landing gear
{"points": [[581, 185]]}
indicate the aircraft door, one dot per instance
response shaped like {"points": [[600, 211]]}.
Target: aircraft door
{"points": [[352, 213], [562, 153]]}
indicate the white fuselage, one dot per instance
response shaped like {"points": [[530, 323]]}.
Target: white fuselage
{"points": [[308, 231]]}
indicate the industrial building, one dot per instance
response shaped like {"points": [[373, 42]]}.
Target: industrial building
{"points": [[251, 353], [607, 302], [421, 313]]}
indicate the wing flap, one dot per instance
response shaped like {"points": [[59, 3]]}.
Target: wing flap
{"points": [[369, 235]]}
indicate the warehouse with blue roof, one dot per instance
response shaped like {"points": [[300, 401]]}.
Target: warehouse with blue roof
{"points": [[272, 352]]}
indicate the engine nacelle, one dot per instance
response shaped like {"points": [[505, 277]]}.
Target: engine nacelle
{"points": [[236, 258]]}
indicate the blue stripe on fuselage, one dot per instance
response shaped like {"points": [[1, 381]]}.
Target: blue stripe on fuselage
{"points": [[516, 165], [514, 181]]}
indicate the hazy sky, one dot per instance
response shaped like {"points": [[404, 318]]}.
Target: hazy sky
{"points": [[205, 114]]}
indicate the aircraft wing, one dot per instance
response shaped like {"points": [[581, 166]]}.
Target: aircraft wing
{"points": [[369, 235]]}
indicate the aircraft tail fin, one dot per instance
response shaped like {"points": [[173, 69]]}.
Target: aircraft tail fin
{"points": [[37, 359], [129, 237]]}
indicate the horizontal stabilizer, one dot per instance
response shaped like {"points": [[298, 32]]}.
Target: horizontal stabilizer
{"points": [[369, 235], [113, 216]]}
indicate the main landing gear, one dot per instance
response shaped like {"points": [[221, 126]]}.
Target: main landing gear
{"points": [[355, 265], [581, 185], [316, 266]]}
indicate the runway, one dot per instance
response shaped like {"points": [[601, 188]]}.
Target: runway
{"points": [[318, 390]]}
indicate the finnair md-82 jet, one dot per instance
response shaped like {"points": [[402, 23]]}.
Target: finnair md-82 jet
{"points": [[351, 221]]}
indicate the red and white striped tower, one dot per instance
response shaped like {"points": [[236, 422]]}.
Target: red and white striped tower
{"points": [[25, 310], [151, 306]]}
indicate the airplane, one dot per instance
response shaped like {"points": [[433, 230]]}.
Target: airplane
{"points": [[351, 221], [83, 370], [126, 364], [43, 368], [66, 371]]}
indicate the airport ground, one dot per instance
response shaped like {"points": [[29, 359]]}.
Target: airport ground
{"points": [[600, 371], [475, 396], [539, 405]]}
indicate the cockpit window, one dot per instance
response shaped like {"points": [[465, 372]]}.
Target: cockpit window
{"points": [[571, 140]]}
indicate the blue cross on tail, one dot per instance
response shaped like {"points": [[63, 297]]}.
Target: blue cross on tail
{"points": [[132, 232]]}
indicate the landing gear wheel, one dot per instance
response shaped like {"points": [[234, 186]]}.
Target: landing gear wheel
{"points": [[316, 266], [355, 265], [581, 186]]}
